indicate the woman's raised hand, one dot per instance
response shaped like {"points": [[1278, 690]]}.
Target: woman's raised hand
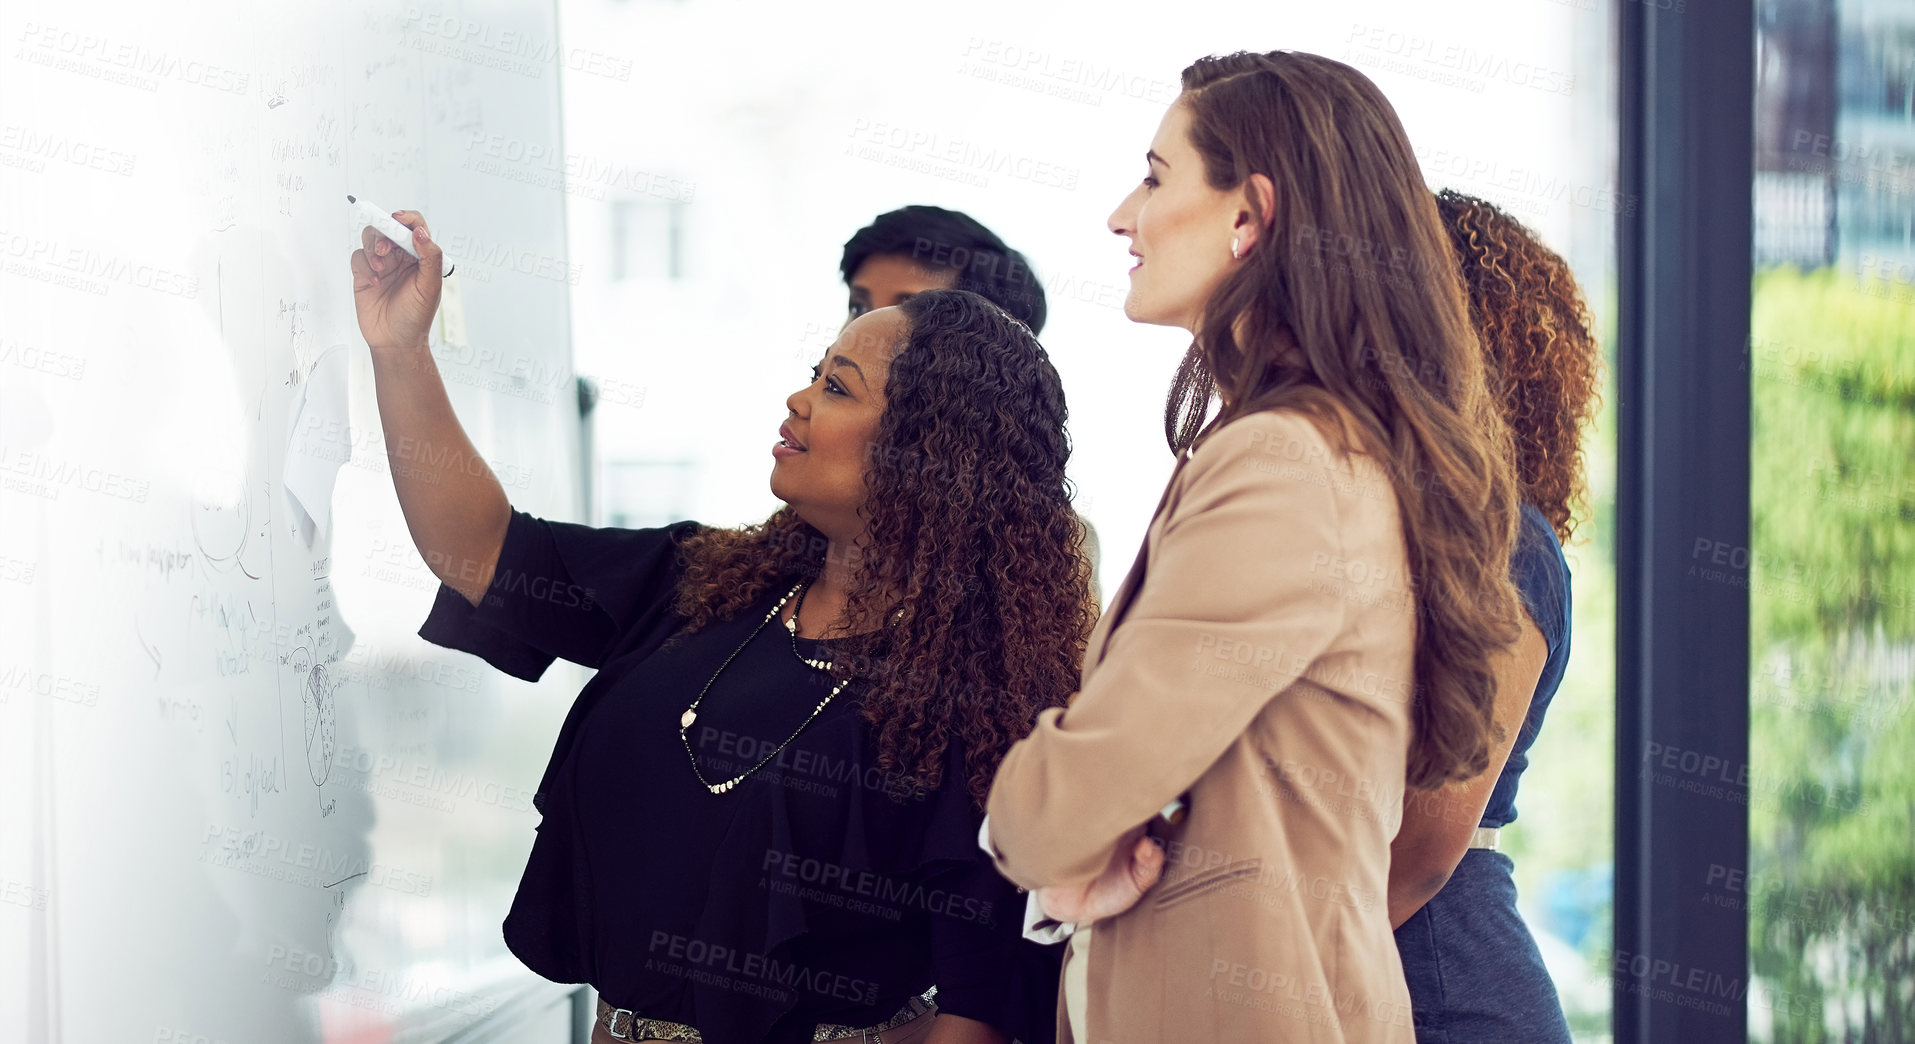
{"points": [[395, 295]]}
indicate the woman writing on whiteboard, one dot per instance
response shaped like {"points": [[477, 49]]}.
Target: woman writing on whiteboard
{"points": [[760, 822]]}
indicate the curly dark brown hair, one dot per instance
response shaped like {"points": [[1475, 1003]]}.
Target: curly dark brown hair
{"points": [[1545, 364], [973, 557]]}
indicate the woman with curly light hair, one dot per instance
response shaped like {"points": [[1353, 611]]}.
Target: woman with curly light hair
{"points": [[760, 820], [1473, 969]]}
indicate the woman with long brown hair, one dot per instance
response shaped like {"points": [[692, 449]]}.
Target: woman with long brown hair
{"points": [[1312, 621], [1473, 968], [760, 820]]}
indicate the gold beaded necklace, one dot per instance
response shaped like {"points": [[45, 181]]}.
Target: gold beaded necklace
{"points": [[691, 713]]}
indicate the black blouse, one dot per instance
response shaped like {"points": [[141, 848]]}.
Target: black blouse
{"points": [[807, 893]]}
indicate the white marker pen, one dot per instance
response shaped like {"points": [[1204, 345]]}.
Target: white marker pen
{"points": [[382, 220]]}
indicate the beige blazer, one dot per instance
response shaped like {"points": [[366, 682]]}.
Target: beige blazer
{"points": [[1257, 661]]}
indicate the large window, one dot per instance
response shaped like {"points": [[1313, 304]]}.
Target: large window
{"points": [[1830, 889]]}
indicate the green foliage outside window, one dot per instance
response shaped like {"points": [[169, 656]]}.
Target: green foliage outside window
{"points": [[1831, 887]]}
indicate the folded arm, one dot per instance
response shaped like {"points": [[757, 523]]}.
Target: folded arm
{"points": [[1235, 606]]}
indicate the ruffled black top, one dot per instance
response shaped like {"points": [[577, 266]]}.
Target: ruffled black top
{"points": [[808, 893]]}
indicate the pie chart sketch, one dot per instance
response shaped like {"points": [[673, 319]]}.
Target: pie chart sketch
{"points": [[321, 728]]}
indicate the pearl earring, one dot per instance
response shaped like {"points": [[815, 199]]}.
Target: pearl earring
{"points": [[1235, 245]]}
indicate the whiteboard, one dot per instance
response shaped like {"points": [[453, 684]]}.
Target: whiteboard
{"points": [[240, 800]]}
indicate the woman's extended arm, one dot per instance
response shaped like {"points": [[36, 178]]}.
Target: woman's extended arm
{"points": [[1437, 824], [455, 507]]}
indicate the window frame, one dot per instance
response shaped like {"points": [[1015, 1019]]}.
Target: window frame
{"points": [[1685, 117]]}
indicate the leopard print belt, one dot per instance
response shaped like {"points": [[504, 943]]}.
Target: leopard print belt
{"points": [[625, 1024]]}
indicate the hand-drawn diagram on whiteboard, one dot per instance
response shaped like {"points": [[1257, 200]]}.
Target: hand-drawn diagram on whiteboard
{"points": [[252, 821], [312, 660], [318, 442], [223, 531]]}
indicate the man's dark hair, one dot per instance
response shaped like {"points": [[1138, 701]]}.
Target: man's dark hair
{"points": [[952, 241]]}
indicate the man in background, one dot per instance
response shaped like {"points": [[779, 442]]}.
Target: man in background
{"points": [[918, 248]]}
